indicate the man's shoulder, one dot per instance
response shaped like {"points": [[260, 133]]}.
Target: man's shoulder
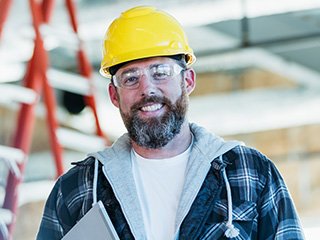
{"points": [[247, 151], [79, 168], [70, 198], [77, 179], [247, 157]]}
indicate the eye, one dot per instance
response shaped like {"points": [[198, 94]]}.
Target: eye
{"points": [[129, 78], [161, 72], [129, 81]]}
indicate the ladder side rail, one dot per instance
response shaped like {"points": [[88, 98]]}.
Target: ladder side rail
{"points": [[4, 11], [25, 120], [85, 69], [23, 137], [26, 117], [52, 123], [47, 10]]}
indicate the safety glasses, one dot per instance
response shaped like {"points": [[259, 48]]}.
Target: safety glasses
{"points": [[160, 73]]}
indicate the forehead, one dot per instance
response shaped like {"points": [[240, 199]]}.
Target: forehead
{"points": [[146, 62]]}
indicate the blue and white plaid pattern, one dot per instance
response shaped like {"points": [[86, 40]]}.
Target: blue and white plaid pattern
{"points": [[262, 206]]}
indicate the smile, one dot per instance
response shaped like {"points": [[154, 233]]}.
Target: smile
{"points": [[152, 108]]}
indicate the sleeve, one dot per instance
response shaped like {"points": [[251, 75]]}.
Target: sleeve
{"points": [[56, 216], [278, 217]]}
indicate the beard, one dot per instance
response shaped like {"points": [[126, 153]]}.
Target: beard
{"points": [[156, 132]]}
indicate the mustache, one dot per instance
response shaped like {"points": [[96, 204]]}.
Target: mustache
{"points": [[150, 99]]}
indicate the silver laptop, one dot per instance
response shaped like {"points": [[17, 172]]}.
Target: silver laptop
{"points": [[95, 224]]}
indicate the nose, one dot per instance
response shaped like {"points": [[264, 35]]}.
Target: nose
{"points": [[147, 86]]}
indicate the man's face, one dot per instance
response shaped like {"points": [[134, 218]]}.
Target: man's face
{"points": [[153, 111]]}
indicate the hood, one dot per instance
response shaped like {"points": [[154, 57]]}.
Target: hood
{"points": [[207, 147], [116, 161], [210, 145]]}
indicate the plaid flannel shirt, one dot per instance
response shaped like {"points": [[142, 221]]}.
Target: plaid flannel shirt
{"points": [[262, 206]]}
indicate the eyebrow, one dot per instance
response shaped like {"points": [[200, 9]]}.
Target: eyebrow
{"points": [[129, 70], [157, 65]]}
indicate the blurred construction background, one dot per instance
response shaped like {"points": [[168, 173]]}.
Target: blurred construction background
{"points": [[258, 80]]}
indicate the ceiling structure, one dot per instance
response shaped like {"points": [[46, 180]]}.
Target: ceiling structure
{"points": [[290, 29], [278, 36]]}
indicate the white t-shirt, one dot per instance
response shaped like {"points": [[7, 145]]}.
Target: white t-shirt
{"points": [[159, 185]]}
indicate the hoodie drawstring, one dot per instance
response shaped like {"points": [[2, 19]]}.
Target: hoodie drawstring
{"points": [[231, 231], [95, 182]]}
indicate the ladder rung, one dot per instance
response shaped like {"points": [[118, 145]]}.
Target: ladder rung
{"points": [[60, 37], [12, 153], [11, 92], [80, 141], [11, 72], [70, 82], [6, 215], [17, 49]]}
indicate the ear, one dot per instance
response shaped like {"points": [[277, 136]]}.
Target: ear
{"points": [[113, 95], [190, 80]]}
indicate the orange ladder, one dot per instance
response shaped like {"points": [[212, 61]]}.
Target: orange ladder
{"points": [[36, 84]]}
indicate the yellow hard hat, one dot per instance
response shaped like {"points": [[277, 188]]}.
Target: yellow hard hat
{"points": [[143, 32]]}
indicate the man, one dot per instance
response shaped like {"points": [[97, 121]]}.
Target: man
{"points": [[167, 178]]}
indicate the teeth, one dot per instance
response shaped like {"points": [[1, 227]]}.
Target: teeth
{"points": [[151, 108]]}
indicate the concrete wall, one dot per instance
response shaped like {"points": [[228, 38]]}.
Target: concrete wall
{"points": [[237, 80]]}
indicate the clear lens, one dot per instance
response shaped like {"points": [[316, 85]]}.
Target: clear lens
{"points": [[158, 73]]}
